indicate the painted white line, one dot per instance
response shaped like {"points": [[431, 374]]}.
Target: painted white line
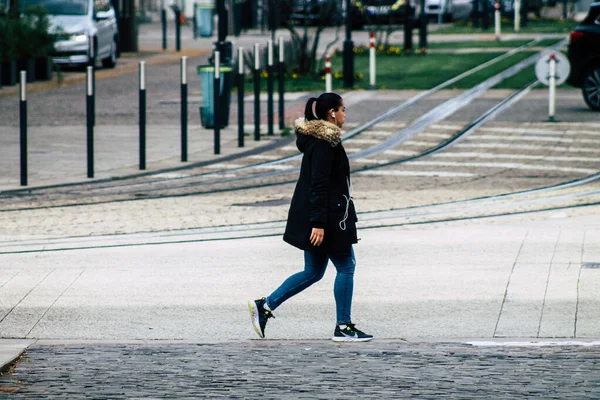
{"points": [[290, 148], [369, 161], [535, 343], [436, 135], [224, 166], [390, 124], [463, 164], [528, 130], [419, 143], [502, 165], [220, 175], [583, 132], [535, 139], [400, 152], [378, 133], [447, 127], [362, 141], [417, 173], [352, 149], [264, 157], [171, 175], [526, 147], [515, 156], [277, 167]]}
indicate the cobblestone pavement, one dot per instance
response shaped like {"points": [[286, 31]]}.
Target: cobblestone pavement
{"points": [[316, 370]]}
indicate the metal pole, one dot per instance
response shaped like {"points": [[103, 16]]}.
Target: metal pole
{"points": [[517, 16], [485, 24], [23, 125], [408, 30], [552, 87], [142, 105], [281, 85], [497, 21], [476, 15], [240, 97], [195, 20], [177, 30], [371, 60], [256, 92], [327, 74], [90, 121], [94, 96], [270, 88], [422, 26], [163, 19], [348, 50], [524, 13], [217, 116], [184, 110]]}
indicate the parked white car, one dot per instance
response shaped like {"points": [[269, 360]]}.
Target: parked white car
{"points": [[86, 29], [451, 10]]}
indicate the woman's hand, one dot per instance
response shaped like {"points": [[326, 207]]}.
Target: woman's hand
{"points": [[316, 236]]}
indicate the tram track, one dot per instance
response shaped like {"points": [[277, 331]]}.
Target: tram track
{"points": [[93, 192], [498, 206]]}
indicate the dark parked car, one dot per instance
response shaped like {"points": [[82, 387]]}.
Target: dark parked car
{"points": [[315, 12], [382, 12], [584, 56]]}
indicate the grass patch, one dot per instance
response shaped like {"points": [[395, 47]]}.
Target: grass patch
{"points": [[523, 78], [477, 44], [534, 26], [547, 42], [480, 76], [419, 72]]}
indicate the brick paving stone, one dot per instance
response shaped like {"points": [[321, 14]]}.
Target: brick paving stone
{"points": [[305, 370]]}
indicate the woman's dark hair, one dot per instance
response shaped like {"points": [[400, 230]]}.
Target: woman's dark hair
{"points": [[318, 108]]}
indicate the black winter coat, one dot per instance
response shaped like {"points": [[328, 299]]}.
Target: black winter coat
{"points": [[322, 195]]}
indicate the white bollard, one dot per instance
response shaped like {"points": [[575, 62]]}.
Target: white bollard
{"points": [[517, 16], [372, 60], [552, 88], [327, 74], [497, 18]]}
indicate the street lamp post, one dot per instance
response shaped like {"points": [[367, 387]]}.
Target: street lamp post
{"points": [[348, 51]]}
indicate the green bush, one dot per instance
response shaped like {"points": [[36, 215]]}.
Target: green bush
{"points": [[26, 37], [8, 39], [39, 29]]}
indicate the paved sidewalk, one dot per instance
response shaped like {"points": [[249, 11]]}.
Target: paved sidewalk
{"points": [[305, 370]]}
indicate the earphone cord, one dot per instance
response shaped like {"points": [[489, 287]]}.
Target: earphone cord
{"points": [[348, 200]]}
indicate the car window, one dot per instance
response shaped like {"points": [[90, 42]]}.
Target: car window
{"points": [[101, 6], [57, 7]]}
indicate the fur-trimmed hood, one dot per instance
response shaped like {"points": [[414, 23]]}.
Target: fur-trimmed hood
{"points": [[319, 129]]}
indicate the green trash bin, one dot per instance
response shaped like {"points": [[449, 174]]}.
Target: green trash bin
{"points": [[204, 18], [207, 82]]}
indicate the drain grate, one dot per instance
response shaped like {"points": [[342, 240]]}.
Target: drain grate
{"points": [[593, 265]]}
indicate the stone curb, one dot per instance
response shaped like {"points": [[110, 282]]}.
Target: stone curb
{"points": [[154, 58], [11, 350]]}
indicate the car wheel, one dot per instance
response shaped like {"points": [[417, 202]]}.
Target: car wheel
{"points": [[591, 88], [111, 60]]}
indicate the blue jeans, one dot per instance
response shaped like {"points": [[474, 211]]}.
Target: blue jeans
{"points": [[315, 264]]}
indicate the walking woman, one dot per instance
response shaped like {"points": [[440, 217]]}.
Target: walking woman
{"points": [[321, 219]]}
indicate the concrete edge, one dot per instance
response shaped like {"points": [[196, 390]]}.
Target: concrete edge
{"points": [[11, 351], [476, 342]]}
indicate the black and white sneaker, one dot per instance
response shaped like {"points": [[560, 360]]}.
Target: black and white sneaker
{"points": [[350, 334], [259, 315]]}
